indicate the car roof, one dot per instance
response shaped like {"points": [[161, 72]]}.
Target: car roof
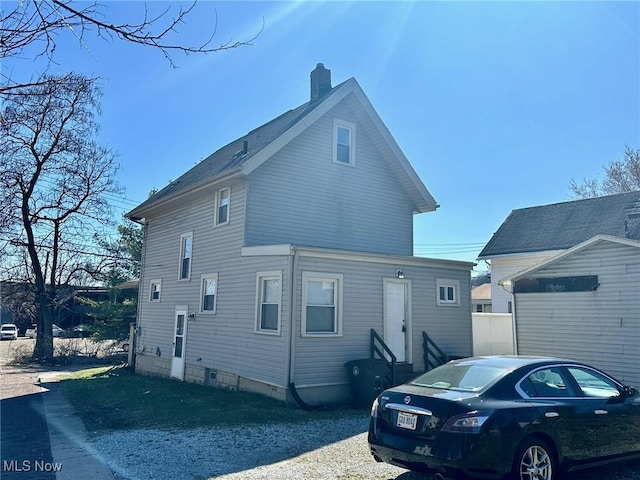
{"points": [[513, 361]]}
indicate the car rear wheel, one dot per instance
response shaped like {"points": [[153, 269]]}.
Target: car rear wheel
{"points": [[534, 460]]}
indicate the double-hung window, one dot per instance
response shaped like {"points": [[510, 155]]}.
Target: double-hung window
{"points": [[154, 290], [322, 304], [269, 294], [448, 292], [186, 245], [223, 197], [208, 290], [344, 136]]}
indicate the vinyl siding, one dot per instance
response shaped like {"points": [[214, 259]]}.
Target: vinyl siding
{"points": [[224, 340], [504, 266], [301, 197], [600, 327], [321, 361]]}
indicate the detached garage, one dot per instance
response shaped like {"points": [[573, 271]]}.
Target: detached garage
{"points": [[583, 304]]}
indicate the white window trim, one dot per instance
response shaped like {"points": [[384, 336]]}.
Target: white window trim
{"points": [[323, 277], [182, 238], [208, 276], [260, 276], [442, 282], [217, 222], [156, 281], [352, 147]]}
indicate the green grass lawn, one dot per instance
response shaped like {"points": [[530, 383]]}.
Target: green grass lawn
{"points": [[114, 398]]}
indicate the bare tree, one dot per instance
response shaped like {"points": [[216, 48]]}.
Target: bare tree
{"points": [[53, 182], [35, 25], [620, 176]]}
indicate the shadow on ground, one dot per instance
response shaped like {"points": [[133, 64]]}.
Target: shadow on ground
{"points": [[617, 471]]}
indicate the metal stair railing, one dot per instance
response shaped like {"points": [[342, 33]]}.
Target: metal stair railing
{"points": [[433, 355], [379, 348]]}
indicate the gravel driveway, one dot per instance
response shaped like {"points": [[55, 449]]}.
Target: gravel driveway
{"points": [[318, 450], [322, 450]]}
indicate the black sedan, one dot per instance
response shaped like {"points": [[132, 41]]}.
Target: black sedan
{"points": [[524, 418]]}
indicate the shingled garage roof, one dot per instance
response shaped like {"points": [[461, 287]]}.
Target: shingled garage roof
{"points": [[562, 225], [243, 155]]}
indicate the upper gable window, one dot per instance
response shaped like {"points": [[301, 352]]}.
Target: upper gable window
{"points": [[186, 242], [344, 141], [223, 198]]}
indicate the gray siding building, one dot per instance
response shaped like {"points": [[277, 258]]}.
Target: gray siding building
{"points": [[584, 304], [268, 263]]}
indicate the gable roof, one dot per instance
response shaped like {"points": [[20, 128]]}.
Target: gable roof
{"points": [[245, 154], [481, 292], [573, 250], [562, 225]]}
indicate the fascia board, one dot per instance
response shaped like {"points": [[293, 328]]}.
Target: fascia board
{"points": [[566, 253], [267, 250], [383, 258], [396, 150], [346, 255], [518, 254], [141, 212], [299, 127], [350, 86]]}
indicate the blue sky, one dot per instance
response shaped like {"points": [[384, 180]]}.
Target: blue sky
{"points": [[498, 105]]}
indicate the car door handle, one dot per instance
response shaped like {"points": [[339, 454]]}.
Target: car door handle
{"points": [[600, 412], [551, 414]]}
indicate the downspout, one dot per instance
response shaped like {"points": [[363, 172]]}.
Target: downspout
{"points": [[293, 265], [133, 347], [513, 313], [514, 323], [292, 308]]}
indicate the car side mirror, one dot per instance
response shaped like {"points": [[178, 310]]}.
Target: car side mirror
{"points": [[628, 392]]}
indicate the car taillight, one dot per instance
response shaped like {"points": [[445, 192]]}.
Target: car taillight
{"points": [[467, 423], [374, 408]]}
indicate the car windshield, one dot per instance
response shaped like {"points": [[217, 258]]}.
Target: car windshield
{"points": [[463, 376]]}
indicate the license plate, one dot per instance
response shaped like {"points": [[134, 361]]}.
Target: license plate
{"points": [[407, 420]]}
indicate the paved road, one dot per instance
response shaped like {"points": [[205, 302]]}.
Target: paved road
{"points": [[24, 441], [40, 437]]}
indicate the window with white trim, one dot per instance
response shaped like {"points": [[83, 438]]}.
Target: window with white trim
{"points": [[223, 198], [344, 141], [448, 292], [268, 300], [186, 246], [154, 290], [208, 291], [321, 304]]}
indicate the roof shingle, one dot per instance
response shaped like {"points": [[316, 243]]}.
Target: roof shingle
{"points": [[562, 225], [231, 155]]}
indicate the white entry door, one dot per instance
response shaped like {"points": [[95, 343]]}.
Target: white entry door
{"points": [[396, 317], [179, 342]]}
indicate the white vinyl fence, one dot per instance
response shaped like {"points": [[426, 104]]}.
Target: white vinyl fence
{"points": [[492, 334]]}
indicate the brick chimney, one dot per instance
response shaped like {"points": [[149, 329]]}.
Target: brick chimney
{"points": [[320, 82]]}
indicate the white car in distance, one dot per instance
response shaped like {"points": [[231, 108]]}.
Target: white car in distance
{"points": [[32, 331]]}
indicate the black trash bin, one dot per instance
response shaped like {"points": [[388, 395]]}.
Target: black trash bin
{"points": [[367, 379]]}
